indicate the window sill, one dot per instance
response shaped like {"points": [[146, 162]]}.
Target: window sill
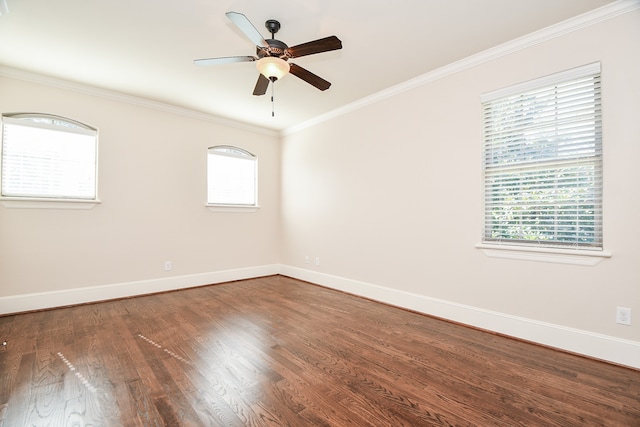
{"points": [[24, 203], [232, 208], [552, 255]]}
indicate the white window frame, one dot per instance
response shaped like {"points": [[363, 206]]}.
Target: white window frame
{"points": [[217, 200], [539, 250], [48, 122]]}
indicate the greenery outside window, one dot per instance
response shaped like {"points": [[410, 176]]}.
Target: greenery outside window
{"points": [[231, 177], [542, 162], [46, 157]]}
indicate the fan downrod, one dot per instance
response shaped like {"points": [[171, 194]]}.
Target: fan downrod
{"points": [[273, 26]]}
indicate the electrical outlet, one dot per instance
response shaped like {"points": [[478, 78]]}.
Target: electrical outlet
{"points": [[167, 266], [317, 260], [307, 260], [623, 316]]}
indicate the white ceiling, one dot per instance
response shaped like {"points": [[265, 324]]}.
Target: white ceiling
{"points": [[146, 48]]}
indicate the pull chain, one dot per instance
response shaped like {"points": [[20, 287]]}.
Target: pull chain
{"points": [[273, 108]]}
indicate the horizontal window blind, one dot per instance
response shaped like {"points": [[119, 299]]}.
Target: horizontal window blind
{"points": [[231, 177], [45, 158], [542, 162]]}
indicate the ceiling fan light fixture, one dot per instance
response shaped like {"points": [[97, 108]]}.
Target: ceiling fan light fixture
{"points": [[272, 67]]}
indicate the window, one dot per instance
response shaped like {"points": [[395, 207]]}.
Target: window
{"points": [[48, 157], [231, 177], [542, 162]]}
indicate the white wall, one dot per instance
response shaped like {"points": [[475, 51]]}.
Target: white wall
{"points": [[389, 196], [152, 184]]}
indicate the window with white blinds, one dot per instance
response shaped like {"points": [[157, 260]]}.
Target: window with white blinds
{"points": [[48, 157], [542, 162], [231, 176]]}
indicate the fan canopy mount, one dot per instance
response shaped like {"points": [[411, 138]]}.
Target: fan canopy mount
{"points": [[273, 26]]}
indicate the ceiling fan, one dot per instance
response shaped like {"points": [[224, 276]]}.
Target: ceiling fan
{"points": [[273, 55]]}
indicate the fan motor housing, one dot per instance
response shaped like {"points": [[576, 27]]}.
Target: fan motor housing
{"points": [[276, 48]]}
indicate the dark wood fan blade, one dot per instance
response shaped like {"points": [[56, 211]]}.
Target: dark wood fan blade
{"points": [[223, 60], [317, 46], [309, 77], [261, 85], [247, 28]]}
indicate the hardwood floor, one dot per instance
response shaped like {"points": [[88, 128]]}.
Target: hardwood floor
{"points": [[275, 351]]}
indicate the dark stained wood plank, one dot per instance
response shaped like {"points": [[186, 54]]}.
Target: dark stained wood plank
{"points": [[3, 412], [146, 410], [277, 351]]}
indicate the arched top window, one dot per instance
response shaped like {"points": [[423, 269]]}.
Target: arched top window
{"points": [[51, 120], [231, 177], [231, 150], [48, 157]]}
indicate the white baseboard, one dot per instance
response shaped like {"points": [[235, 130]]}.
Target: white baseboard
{"points": [[603, 347], [65, 297]]}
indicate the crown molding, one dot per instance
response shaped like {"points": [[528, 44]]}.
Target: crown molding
{"points": [[27, 76], [596, 16], [588, 19]]}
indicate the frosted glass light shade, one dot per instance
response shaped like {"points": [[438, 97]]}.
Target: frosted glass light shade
{"points": [[272, 67]]}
